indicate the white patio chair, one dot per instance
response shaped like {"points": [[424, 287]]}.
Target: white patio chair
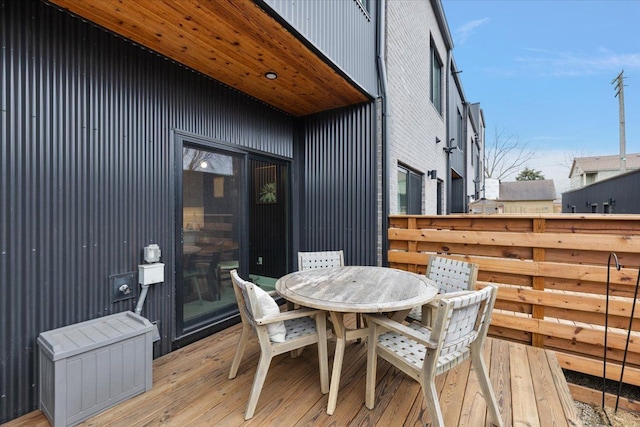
{"points": [[311, 260], [459, 330], [321, 259], [277, 333], [324, 259], [450, 276]]}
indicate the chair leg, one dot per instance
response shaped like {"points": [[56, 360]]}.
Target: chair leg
{"points": [[323, 354], [195, 283], [477, 362], [258, 382], [242, 345], [372, 366], [433, 405]]}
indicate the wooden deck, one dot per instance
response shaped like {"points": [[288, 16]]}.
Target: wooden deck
{"points": [[191, 388]]}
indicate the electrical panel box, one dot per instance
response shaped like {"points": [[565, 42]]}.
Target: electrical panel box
{"points": [[88, 367], [148, 274]]}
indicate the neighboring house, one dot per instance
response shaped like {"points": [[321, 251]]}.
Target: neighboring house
{"points": [[232, 133], [536, 196], [475, 157], [465, 143], [618, 194], [435, 135], [587, 170]]}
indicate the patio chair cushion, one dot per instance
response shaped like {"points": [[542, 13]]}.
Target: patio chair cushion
{"points": [[277, 331]]}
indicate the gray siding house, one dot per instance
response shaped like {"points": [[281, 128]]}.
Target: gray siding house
{"points": [[588, 170], [617, 194]]}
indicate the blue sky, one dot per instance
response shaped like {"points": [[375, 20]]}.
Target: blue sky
{"points": [[542, 72]]}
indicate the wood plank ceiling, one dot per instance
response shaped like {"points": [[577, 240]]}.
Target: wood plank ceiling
{"points": [[233, 41]]}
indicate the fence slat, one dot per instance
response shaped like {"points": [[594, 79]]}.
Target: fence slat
{"points": [[552, 272]]}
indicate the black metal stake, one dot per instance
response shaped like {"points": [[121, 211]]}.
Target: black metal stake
{"points": [[626, 347]]}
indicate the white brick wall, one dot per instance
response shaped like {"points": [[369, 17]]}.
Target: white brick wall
{"points": [[414, 123]]}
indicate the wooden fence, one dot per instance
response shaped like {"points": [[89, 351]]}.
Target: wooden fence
{"points": [[552, 272]]}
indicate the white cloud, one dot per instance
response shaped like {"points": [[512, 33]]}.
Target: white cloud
{"points": [[558, 63], [465, 31]]}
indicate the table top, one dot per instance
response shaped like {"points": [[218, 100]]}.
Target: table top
{"points": [[357, 289], [190, 249]]}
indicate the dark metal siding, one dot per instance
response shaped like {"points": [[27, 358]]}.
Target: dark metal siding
{"points": [[86, 174], [351, 41], [340, 193], [620, 193]]}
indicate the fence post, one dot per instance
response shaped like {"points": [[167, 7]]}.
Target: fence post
{"points": [[412, 224], [537, 312]]}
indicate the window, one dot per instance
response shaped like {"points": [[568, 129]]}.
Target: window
{"points": [[473, 152], [409, 192], [436, 79], [211, 230], [459, 130]]}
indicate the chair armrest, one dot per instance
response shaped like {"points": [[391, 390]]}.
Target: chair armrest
{"points": [[288, 315], [434, 303], [400, 328], [452, 294]]}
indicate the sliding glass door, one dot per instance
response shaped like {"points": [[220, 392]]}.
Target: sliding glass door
{"points": [[234, 215], [212, 220]]}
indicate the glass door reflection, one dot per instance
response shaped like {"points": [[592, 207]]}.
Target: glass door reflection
{"points": [[211, 223]]}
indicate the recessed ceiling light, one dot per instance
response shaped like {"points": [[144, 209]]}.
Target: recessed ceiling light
{"points": [[204, 165], [271, 75]]}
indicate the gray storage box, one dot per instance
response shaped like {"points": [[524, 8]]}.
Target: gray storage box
{"points": [[88, 367]]}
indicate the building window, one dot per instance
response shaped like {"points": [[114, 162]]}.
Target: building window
{"points": [[459, 130], [473, 152], [436, 79], [409, 192]]}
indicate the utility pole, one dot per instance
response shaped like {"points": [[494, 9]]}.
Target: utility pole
{"points": [[619, 82]]}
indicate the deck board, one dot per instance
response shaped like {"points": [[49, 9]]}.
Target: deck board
{"points": [[190, 387]]}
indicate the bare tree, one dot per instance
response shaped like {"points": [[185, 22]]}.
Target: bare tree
{"points": [[569, 157], [192, 158], [505, 155]]}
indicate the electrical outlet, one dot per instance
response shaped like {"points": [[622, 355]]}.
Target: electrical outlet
{"points": [[123, 286]]}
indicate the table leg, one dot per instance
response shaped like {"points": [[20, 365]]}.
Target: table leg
{"points": [[338, 324]]}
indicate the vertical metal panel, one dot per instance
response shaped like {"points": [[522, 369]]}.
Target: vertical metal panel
{"points": [[340, 193], [86, 174], [351, 41], [620, 193]]}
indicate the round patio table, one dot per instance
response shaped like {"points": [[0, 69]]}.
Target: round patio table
{"points": [[355, 289]]}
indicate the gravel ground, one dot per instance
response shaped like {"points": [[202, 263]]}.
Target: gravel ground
{"points": [[593, 415]]}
